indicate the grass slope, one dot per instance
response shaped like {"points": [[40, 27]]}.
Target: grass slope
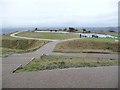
{"points": [[12, 45], [53, 62], [45, 35], [90, 45]]}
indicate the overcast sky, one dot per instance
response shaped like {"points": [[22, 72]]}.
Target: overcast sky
{"points": [[56, 13]]}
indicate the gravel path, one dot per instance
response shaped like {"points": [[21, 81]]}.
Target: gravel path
{"points": [[100, 77]]}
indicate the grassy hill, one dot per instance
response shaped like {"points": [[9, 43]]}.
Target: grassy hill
{"points": [[14, 45], [47, 35], [89, 45]]}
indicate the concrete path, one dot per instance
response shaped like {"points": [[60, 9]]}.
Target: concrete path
{"points": [[100, 77]]}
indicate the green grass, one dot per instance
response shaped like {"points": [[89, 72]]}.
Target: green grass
{"points": [[0, 51], [12, 45], [88, 45], [7, 51], [100, 39], [109, 33], [59, 62], [45, 35]]}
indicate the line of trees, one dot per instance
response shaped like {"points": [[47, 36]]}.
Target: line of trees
{"points": [[70, 29]]}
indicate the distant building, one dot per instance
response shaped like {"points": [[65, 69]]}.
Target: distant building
{"points": [[96, 36]]}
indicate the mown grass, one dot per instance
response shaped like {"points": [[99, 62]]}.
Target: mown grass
{"points": [[59, 62], [12, 45], [46, 35], [88, 45]]}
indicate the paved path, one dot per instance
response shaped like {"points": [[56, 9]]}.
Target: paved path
{"points": [[65, 78], [100, 77]]}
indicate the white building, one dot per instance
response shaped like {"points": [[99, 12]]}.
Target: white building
{"points": [[96, 35]]}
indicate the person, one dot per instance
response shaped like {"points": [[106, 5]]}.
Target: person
{"points": [[80, 35]]}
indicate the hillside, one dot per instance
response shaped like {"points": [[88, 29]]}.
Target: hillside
{"points": [[14, 45]]}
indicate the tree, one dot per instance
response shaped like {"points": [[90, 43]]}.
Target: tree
{"points": [[65, 29], [71, 29], [35, 28], [111, 31], [89, 31], [76, 30], [60, 29], [84, 30]]}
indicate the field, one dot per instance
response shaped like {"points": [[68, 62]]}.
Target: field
{"points": [[59, 62], [88, 45], [45, 35], [109, 33], [12, 45]]}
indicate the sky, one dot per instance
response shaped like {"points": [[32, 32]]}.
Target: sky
{"points": [[59, 13]]}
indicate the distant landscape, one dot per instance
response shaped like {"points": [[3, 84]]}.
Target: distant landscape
{"points": [[12, 45], [95, 29]]}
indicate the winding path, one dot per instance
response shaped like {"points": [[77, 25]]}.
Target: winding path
{"points": [[100, 77], [14, 35]]}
